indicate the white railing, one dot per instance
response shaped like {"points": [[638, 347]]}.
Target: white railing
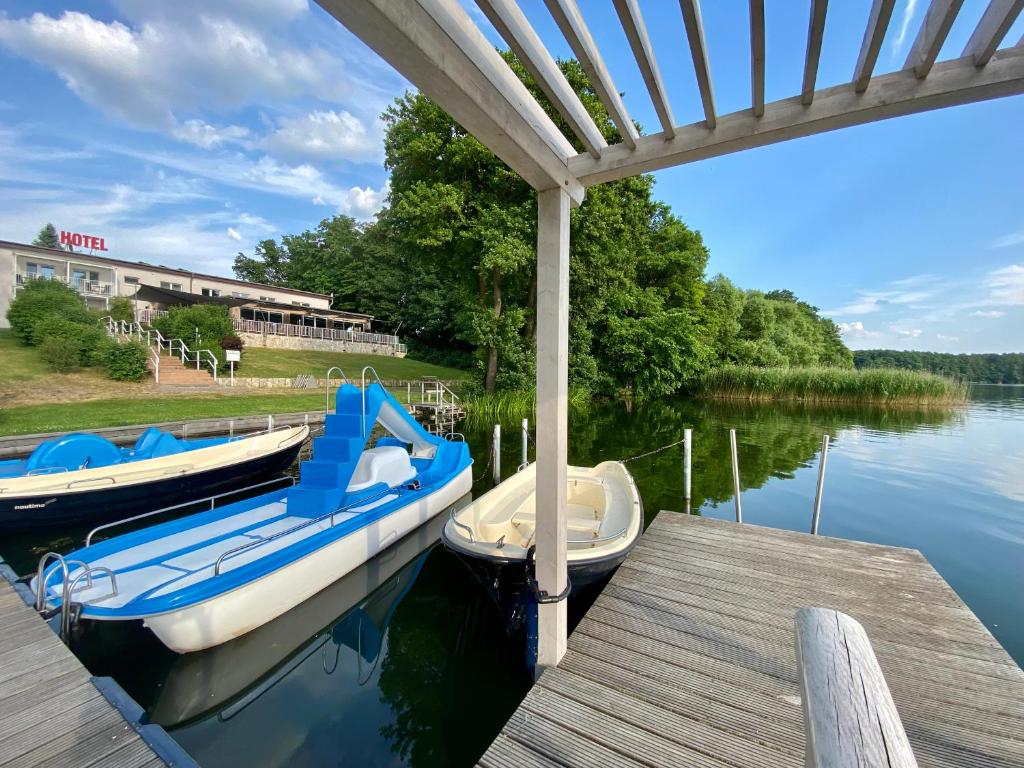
{"points": [[91, 287], [311, 332], [198, 356], [146, 315], [157, 344]]}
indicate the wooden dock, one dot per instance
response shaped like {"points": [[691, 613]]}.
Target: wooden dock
{"points": [[53, 713], [687, 657]]}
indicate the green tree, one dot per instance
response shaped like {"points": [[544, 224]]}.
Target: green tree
{"points": [[40, 299], [48, 238]]}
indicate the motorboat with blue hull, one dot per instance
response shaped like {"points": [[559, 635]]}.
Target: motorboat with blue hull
{"points": [[83, 478], [202, 580]]}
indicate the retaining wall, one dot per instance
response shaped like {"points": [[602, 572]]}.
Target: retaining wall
{"points": [[271, 341]]}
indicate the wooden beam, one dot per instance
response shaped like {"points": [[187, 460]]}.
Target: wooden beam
{"points": [[516, 30], [552, 421], [757, 56], [698, 52], [850, 718], [436, 46], [931, 36], [636, 32], [569, 19], [815, 32], [994, 24], [878, 23], [899, 93]]}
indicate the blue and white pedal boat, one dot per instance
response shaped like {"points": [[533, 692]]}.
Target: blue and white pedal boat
{"points": [[202, 580]]}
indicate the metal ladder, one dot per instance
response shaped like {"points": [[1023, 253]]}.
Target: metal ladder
{"points": [[68, 609]]}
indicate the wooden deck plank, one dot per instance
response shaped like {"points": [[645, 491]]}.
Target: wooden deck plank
{"points": [[51, 714], [687, 657]]}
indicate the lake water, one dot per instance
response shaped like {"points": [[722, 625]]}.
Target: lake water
{"points": [[404, 663]]}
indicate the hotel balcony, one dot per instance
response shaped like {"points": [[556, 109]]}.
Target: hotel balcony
{"points": [[83, 286]]}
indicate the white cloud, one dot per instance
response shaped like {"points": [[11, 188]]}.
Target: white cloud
{"points": [[856, 330], [874, 301], [233, 234], [901, 36], [944, 337], [1006, 285], [166, 65], [1011, 239], [326, 135], [207, 136], [907, 333], [987, 313]]}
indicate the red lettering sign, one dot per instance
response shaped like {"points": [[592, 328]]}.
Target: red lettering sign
{"points": [[78, 240]]}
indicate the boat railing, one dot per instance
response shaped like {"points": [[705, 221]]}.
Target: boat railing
{"points": [[79, 481], [69, 589], [268, 431], [452, 435], [362, 380], [600, 540], [327, 386], [41, 575], [46, 471], [301, 526], [211, 499], [455, 521]]}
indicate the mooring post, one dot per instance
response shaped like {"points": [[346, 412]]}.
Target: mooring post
{"points": [[408, 393], [821, 484], [231, 428], [687, 462], [270, 422], [496, 448], [184, 431], [524, 458], [735, 476]]}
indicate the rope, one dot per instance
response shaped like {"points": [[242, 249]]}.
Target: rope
{"points": [[482, 475], [656, 450]]}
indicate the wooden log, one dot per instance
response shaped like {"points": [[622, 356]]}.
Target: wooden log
{"points": [[850, 719]]}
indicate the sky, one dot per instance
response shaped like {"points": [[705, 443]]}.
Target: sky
{"points": [[185, 132]]}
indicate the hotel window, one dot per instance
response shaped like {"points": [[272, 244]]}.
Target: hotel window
{"points": [[170, 286], [130, 280], [31, 269], [211, 292], [268, 298]]}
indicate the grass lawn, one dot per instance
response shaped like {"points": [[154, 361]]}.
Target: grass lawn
{"points": [[92, 414], [20, 363], [270, 363]]}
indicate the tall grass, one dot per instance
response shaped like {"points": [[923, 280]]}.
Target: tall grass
{"points": [[513, 403], [884, 386]]}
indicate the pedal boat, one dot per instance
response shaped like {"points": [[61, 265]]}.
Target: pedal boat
{"points": [[202, 580], [495, 532], [84, 478]]}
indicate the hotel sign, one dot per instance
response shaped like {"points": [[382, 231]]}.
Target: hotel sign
{"points": [[78, 240]]}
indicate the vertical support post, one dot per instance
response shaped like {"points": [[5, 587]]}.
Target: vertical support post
{"points": [[735, 476], [552, 421], [270, 422], [408, 393], [184, 430], [231, 428], [524, 458], [496, 453], [821, 484], [687, 464]]}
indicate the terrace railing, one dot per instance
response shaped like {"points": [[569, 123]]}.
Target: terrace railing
{"points": [[310, 332], [88, 287]]}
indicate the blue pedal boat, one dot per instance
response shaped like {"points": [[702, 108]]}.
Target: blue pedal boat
{"points": [[202, 580], [84, 478]]}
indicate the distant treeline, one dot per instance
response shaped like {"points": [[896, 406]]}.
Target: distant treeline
{"points": [[986, 368]]}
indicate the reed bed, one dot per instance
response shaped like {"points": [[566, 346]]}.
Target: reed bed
{"points": [[883, 386], [515, 403]]}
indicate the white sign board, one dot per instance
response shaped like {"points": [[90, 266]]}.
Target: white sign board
{"points": [[233, 355]]}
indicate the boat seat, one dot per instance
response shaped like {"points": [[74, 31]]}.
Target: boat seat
{"points": [[579, 518], [385, 464]]}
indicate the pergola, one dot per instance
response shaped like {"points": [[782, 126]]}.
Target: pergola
{"points": [[437, 46]]}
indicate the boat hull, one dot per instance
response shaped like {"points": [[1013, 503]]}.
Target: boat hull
{"points": [[235, 613], [105, 504]]}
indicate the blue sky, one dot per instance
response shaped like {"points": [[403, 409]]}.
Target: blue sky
{"points": [[186, 131]]}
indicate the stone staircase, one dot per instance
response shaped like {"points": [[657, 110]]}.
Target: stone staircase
{"points": [[173, 374]]}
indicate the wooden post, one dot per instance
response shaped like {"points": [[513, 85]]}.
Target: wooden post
{"points": [[735, 476], [552, 420], [821, 484], [849, 715], [687, 460]]}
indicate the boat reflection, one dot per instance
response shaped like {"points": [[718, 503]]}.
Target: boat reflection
{"points": [[354, 612]]}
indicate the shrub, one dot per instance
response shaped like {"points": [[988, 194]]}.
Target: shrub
{"points": [[231, 341], [54, 326], [121, 309], [211, 321], [40, 298], [126, 362], [61, 353]]}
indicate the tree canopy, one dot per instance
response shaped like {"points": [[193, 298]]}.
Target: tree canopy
{"points": [[450, 264], [48, 238], [983, 368]]}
